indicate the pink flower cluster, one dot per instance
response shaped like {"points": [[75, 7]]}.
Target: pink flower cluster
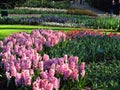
{"points": [[68, 67], [64, 66], [46, 81], [20, 58]]}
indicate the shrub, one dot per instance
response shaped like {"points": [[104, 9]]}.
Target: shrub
{"points": [[4, 13], [48, 4]]}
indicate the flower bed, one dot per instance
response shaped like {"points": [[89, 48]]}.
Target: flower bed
{"points": [[51, 59], [25, 68], [65, 20], [100, 51]]}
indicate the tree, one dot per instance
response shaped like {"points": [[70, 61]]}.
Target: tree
{"points": [[5, 4]]}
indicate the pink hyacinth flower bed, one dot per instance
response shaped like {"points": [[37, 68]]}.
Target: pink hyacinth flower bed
{"points": [[21, 59]]}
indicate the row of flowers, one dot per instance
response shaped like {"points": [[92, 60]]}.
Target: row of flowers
{"points": [[77, 34], [21, 58], [65, 20], [42, 9]]}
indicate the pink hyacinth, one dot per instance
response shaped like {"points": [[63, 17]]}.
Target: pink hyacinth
{"points": [[35, 62], [40, 66], [28, 64], [38, 80], [26, 77], [82, 66], [53, 66], [67, 74], [8, 75], [55, 82], [51, 72], [18, 66], [1, 44], [18, 79], [82, 73], [13, 70], [73, 59], [45, 57], [44, 83], [65, 58], [44, 75], [36, 86], [31, 71], [61, 61], [28, 81], [49, 87], [72, 65], [74, 75], [6, 66]]}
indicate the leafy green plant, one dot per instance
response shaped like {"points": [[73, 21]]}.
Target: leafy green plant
{"points": [[88, 48], [104, 75], [101, 55]]}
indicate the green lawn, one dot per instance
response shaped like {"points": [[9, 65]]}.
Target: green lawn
{"points": [[6, 30], [30, 27]]}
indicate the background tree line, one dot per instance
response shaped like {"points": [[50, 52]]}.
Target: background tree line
{"points": [[7, 4], [103, 5]]}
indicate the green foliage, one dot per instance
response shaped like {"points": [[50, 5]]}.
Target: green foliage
{"points": [[7, 20], [4, 13], [5, 4], [70, 85], [47, 3], [26, 11], [101, 55], [104, 75], [118, 29], [104, 23], [88, 48]]}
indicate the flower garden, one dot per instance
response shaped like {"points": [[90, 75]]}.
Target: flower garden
{"points": [[59, 51], [47, 59]]}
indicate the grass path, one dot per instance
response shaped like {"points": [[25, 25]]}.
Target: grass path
{"points": [[30, 27], [6, 30]]}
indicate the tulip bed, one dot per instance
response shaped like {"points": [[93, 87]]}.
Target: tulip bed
{"points": [[48, 60]]}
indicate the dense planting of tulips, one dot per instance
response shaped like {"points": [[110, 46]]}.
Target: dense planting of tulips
{"points": [[77, 34], [21, 59]]}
